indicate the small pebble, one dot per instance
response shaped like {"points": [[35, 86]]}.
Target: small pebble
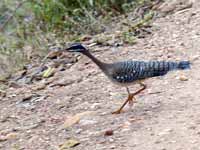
{"points": [[112, 147], [183, 78], [108, 133], [78, 131], [111, 140]]}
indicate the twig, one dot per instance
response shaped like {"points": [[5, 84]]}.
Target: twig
{"points": [[11, 16]]}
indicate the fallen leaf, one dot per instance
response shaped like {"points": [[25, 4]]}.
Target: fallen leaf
{"points": [[11, 136], [69, 144], [48, 73], [71, 121], [86, 113], [75, 119]]}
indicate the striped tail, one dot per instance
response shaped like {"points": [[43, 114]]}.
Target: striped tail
{"points": [[183, 65], [129, 71], [160, 68]]}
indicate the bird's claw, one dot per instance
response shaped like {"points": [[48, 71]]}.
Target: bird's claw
{"points": [[117, 112]]}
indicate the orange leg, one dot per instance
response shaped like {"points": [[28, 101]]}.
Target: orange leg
{"points": [[130, 98]]}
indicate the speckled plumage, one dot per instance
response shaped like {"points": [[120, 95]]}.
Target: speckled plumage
{"points": [[130, 71]]}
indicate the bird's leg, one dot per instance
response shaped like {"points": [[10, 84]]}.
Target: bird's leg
{"points": [[140, 90], [130, 98], [131, 102]]}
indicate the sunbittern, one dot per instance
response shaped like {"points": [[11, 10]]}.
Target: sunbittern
{"points": [[126, 73]]}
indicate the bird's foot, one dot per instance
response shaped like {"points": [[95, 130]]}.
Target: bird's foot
{"points": [[117, 111]]}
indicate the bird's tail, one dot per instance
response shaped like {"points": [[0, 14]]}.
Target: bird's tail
{"points": [[183, 65]]}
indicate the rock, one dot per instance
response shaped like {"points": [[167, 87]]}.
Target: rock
{"points": [[38, 87], [27, 97], [109, 132], [183, 78], [113, 147]]}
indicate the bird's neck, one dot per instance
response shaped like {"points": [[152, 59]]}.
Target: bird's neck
{"points": [[99, 63]]}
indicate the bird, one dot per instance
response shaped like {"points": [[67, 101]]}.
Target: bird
{"points": [[129, 72]]}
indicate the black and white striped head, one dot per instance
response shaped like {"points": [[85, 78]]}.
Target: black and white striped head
{"points": [[77, 47]]}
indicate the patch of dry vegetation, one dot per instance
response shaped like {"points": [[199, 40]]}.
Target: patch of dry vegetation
{"points": [[30, 27]]}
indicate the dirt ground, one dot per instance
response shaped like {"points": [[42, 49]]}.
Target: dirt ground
{"points": [[165, 117]]}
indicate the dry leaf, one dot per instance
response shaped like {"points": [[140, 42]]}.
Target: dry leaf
{"points": [[11, 136], [48, 73], [75, 119], [71, 121], [86, 113], [69, 144]]}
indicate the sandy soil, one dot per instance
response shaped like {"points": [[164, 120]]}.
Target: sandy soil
{"points": [[165, 117]]}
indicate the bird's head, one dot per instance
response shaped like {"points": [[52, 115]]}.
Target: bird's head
{"points": [[77, 48]]}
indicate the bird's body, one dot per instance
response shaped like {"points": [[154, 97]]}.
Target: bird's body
{"points": [[129, 72]]}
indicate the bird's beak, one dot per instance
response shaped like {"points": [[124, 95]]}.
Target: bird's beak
{"points": [[70, 49]]}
